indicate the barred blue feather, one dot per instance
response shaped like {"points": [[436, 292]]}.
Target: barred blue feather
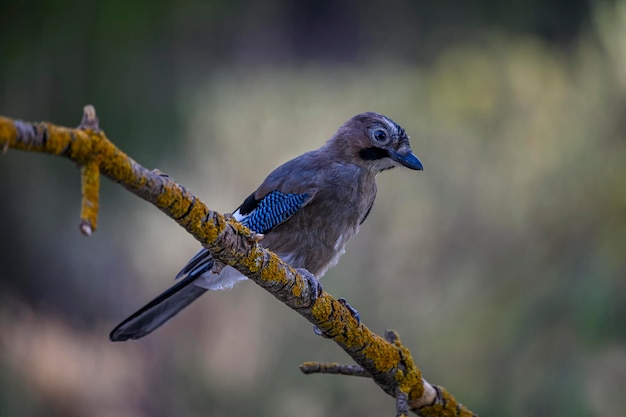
{"points": [[272, 210]]}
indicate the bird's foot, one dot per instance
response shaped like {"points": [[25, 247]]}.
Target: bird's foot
{"points": [[256, 237], [353, 311], [314, 284]]}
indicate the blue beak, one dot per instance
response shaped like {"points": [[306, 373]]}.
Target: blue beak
{"points": [[409, 160]]}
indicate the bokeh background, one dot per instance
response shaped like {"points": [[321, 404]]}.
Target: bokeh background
{"points": [[502, 265]]}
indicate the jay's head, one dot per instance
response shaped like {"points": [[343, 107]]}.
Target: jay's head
{"points": [[375, 142]]}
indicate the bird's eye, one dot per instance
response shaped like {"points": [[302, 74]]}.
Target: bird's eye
{"points": [[380, 135]]}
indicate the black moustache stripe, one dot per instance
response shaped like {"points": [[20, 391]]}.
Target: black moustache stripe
{"points": [[373, 154]]}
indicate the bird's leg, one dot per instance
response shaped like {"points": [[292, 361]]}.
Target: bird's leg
{"points": [[353, 311]]}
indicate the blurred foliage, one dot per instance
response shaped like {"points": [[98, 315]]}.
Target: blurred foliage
{"points": [[502, 265]]}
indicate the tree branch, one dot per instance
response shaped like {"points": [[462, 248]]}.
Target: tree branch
{"points": [[387, 362]]}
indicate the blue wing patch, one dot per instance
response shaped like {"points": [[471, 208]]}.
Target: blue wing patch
{"points": [[271, 210]]}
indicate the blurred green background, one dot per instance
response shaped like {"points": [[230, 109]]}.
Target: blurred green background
{"points": [[502, 265]]}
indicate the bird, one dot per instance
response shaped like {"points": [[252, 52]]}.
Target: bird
{"points": [[306, 210]]}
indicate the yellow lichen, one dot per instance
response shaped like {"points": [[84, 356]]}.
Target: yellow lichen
{"points": [[254, 260], [272, 270], [58, 140], [239, 228], [412, 384], [90, 178], [8, 132], [321, 311], [384, 359], [298, 289]]}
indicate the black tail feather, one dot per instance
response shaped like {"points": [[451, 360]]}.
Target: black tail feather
{"points": [[158, 311]]}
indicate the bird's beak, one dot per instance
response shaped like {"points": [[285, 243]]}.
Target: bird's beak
{"points": [[409, 160]]}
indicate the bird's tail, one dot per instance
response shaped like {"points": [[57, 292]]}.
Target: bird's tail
{"points": [[158, 311]]}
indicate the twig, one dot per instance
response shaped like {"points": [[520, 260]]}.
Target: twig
{"points": [[402, 404], [309, 368]]}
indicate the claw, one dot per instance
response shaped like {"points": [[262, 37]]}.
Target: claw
{"points": [[256, 237], [314, 284], [353, 311]]}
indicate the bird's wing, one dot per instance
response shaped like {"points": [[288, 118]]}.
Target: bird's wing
{"points": [[263, 214]]}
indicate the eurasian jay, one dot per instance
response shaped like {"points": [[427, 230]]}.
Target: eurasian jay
{"points": [[307, 209]]}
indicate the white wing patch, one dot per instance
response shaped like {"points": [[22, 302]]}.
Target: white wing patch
{"points": [[238, 216], [225, 280]]}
